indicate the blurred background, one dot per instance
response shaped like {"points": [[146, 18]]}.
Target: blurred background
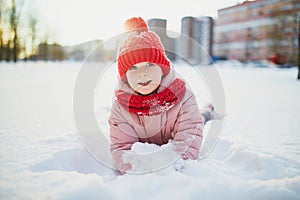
{"points": [[257, 32]]}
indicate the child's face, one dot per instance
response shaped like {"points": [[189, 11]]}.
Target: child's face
{"points": [[144, 77]]}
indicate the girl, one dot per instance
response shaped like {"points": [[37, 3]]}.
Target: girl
{"points": [[152, 103]]}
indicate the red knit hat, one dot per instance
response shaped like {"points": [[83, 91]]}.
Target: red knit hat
{"points": [[141, 45]]}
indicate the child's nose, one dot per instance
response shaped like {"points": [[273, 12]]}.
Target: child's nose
{"points": [[142, 74], [143, 71]]}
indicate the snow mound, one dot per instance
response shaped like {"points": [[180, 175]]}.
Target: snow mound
{"points": [[146, 158]]}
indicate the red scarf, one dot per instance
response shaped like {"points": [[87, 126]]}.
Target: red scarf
{"points": [[153, 104]]}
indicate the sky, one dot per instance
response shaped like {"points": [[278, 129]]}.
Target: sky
{"points": [[70, 22]]}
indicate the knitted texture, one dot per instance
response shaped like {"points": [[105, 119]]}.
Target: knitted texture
{"points": [[140, 45], [154, 104]]}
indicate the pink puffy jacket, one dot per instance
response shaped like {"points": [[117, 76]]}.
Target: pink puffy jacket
{"points": [[183, 124]]}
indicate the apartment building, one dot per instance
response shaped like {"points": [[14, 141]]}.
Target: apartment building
{"points": [[194, 44], [261, 29]]}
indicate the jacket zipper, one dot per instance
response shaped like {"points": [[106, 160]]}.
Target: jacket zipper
{"points": [[142, 121]]}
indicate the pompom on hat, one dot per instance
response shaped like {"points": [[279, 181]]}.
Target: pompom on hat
{"points": [[140, 45]]}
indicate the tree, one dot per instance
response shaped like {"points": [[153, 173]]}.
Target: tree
{"points": [[296, 5], [14, 23], [1, 30], [299, 49], [16, 15], [8, 51], [33, 23]]}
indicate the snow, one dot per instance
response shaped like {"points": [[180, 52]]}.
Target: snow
{"points": [[42, 155], [147, 158]]}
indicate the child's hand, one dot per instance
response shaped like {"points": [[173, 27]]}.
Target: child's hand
{"points": [[180, 147], [125, 168]]}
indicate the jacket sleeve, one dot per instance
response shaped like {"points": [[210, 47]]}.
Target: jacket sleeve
{"points": [[187, 134], [122, 137]]}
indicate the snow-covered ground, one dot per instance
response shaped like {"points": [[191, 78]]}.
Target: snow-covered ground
{"points": [[42, 156]]}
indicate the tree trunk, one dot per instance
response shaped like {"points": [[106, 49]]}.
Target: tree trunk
{"points": [[15, 48], [7, 52], [298, 49], [1, 49], [14, 28]]}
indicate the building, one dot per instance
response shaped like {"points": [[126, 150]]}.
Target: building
{"points": [[79, 52], [159, 26], [49, 52], [261, 29], [194, 43], [203, 35]]}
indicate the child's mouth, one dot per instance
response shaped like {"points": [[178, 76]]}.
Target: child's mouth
{"points": [[145, 83]]}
